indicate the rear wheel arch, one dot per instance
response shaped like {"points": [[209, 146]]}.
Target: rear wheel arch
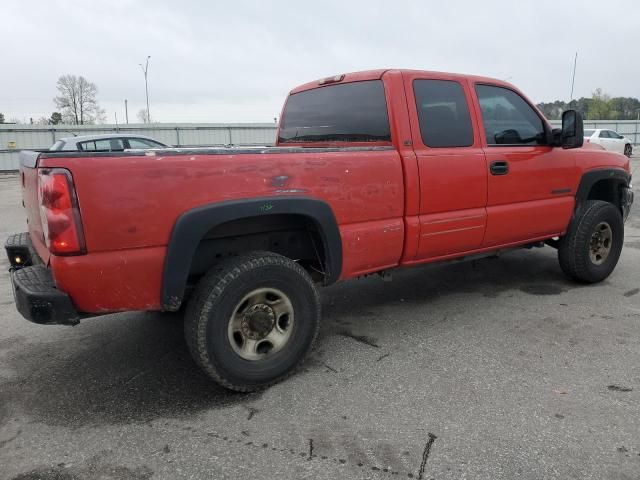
{"points": [[192, 227]]}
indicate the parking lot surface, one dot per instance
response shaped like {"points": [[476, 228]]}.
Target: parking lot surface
{"points": [[491, 369]]}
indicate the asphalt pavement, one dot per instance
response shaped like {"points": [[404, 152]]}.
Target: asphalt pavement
{"points": [[491, 369]]}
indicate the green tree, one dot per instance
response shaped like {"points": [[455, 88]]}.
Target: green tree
{"points": [[581, 105], [553, 110], [600, 107], [626, 108], [1, 117], [56, 118]]}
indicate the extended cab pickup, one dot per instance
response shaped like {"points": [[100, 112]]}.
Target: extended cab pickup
{"points": [[371, 171]]}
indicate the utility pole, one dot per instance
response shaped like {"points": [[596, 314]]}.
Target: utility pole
{"points": [[575, 62], [145, 70], [126, 111]]}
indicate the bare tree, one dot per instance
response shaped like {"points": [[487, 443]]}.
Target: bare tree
{"points": [[100, 116], [77, 100], [142, 116]]}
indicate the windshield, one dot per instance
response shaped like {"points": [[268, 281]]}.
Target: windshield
{"points": [[350, 112]]}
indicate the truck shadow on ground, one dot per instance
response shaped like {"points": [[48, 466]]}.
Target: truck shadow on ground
{"points": [[113, 369], [533, 272], [136, 367]]}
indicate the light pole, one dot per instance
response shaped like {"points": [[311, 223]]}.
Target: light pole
{"points": [[573, 78], [145, 69]]}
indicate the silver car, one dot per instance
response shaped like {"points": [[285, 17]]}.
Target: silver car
{"points": [[106, 143]]}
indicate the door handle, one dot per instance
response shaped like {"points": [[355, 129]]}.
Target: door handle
{"points": [[499, 167]]}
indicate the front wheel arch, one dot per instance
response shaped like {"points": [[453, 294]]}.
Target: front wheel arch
{"points": [[604, 184]]}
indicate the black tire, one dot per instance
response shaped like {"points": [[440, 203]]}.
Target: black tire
{"points": [[575, 248], [628, 150], [219, 294]]}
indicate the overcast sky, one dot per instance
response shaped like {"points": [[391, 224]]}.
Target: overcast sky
{"points": [[235, 60]]}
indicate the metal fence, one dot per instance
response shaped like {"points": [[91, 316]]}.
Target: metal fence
{"points": [[628, 128], [14, 138]]}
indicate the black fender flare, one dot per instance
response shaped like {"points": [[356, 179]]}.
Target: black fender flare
{"points": [[192, 225], [590, 178]]}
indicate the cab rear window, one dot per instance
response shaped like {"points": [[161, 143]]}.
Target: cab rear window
{"points": [[350, 112]]}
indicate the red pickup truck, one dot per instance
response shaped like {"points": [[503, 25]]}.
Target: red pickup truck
{"points": [[371, 171]]}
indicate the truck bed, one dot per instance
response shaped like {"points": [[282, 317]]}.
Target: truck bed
{"points": [[130, 207]]}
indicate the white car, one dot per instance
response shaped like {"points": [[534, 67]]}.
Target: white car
{"points": [[106, 143], [609, 140]]}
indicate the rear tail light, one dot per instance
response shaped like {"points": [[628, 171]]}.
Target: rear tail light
{"points": [[588, 139], [59, 212]]}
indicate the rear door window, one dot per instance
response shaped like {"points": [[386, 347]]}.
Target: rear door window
{"points": [[104, 145], [443, 113], [116, 144], [604, 134], [350, 112], [143, 143], [508, 119], [87, 146]]}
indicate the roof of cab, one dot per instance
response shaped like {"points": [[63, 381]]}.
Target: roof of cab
{"points": [[82, 138], [378, 74]]}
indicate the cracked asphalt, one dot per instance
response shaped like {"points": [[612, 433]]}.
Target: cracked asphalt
{"points": [[492, 369]]}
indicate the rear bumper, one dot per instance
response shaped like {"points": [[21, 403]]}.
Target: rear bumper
{"points": [[38, 300], [36, 296], [20, 251]]}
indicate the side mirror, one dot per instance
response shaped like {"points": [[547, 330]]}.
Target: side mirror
{"points": [[572, 135]]}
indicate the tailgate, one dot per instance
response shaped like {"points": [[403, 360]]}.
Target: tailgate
{"points": [[29, 180]]}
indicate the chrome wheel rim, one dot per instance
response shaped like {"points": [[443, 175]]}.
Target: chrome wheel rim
{"points": [[261, 324], [627, 150], [600, 243]]}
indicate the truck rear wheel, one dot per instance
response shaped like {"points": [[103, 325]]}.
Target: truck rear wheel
{"points": [[252, 319], [590, 250]]}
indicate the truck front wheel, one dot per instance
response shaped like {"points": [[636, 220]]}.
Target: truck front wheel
{"points": [[252, 319], [590, 250]]}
